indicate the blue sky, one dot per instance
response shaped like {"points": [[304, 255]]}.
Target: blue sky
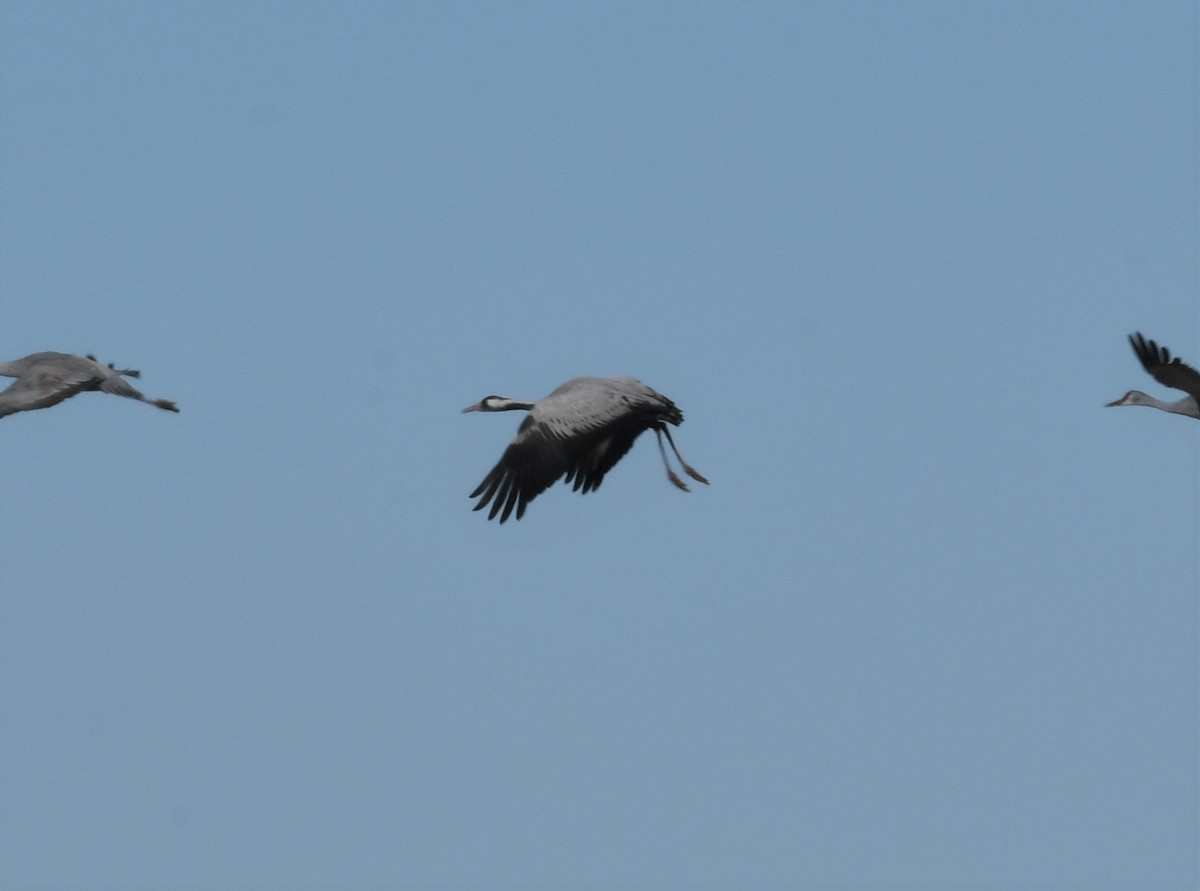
{"points": [[934, 623]]}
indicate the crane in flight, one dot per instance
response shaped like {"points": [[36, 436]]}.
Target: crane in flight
{"points": [[582, 430], [1167, 371], [46, 379]]}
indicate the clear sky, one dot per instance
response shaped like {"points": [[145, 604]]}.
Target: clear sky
{"points": [[934, 624]]}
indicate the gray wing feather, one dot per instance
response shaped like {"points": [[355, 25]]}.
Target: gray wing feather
{"points": [[47, 379], [18, 367], [37, 390], [588, 404]]}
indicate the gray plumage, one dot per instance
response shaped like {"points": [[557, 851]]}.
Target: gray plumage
{"points": [[1168, 372], [46, 379], [581, 430]]}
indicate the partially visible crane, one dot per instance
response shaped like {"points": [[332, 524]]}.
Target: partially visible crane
{"points": [[582, 430], [1168, 372], [46, 379]]}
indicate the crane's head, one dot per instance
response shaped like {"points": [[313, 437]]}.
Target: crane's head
{"points": [[491, 403], [1133, 397]]}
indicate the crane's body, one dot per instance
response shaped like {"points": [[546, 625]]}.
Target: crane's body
{"points": [[46, 379], [1167, 371], [581, 430]]}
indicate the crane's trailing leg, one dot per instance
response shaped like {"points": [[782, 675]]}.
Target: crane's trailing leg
{"points": [[688, 469], [658, 432]]}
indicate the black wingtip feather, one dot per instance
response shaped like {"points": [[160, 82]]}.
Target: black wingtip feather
{"points": [[1149, 353]]}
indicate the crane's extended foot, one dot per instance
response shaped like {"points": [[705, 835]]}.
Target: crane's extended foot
{"points": [[671, 475], [687, 468], [166, 404]]}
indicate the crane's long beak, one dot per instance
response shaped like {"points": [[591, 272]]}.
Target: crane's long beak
{"points": [[478, 406], [1114, 402]]}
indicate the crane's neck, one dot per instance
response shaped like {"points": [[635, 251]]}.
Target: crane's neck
{"points": [[501, 404], [1185, 406]]}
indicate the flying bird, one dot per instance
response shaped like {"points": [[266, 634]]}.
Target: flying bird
{"points": [[582, 430], [46, 379], [1167, 371]]}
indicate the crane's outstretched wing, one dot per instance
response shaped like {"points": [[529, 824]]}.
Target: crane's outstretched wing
{"points": [[1167, 371], [41, 389], [529, 466]]}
